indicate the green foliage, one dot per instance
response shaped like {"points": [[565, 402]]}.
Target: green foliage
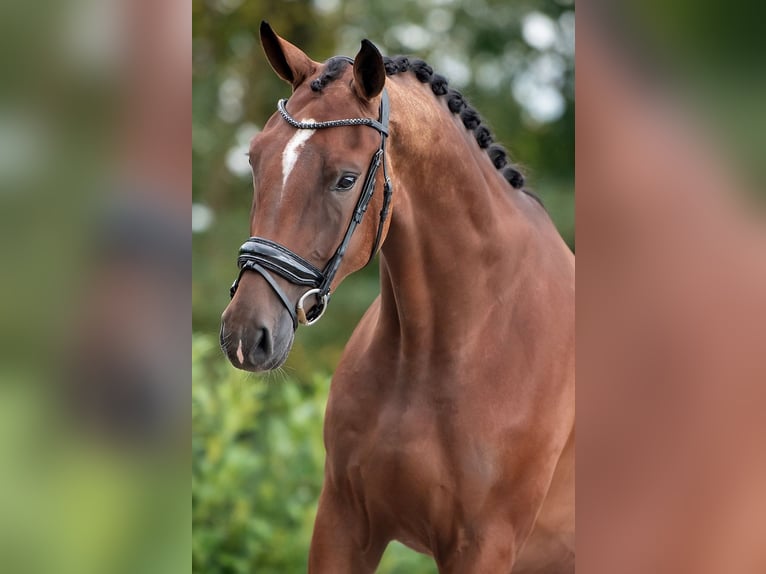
{"points": [[257, 467]]}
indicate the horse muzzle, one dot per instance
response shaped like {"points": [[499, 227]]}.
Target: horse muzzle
{"points": [[256, 334]]}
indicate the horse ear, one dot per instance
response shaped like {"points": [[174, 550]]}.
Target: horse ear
{"points": [[288, 61], [369, 72]]}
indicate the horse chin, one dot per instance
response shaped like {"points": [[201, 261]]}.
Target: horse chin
{"points": [[270, 364]]}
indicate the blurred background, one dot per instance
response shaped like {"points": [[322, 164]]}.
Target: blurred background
{"points": [[257, 440], [95, 186], [671, 287]]}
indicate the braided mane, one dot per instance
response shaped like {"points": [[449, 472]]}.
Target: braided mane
{"points": [[455, 102]]}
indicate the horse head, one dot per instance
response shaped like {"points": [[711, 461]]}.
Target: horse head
{"points": [[307, 224]]}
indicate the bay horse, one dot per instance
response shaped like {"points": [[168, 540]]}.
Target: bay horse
{"points": [[450, 420]]}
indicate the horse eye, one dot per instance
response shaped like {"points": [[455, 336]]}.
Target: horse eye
{"points": [[346, 182]]}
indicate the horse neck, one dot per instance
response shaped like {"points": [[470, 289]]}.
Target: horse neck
{"points": [[452, 251]]}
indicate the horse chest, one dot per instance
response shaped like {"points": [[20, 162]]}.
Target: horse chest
{"points": [[410, 463]]}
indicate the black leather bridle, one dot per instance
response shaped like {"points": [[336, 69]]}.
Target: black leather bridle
{"points": [[263, 255]]}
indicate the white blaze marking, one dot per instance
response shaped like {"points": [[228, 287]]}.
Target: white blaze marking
{"points": [[290, 155], [240, 356]]}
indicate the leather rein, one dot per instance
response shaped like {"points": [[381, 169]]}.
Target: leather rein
{"points": [[265, 256]]}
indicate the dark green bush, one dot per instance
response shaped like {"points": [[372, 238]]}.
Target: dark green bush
{"points": [[257, 465]]}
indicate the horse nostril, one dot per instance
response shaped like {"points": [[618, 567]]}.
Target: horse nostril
{"points": [[263, 344]]}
